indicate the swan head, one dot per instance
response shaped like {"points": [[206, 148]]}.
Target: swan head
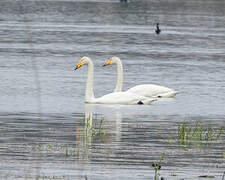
{"points": [[113, 60], [84, 60]]}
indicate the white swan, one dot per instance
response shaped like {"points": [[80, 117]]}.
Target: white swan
{"points": [[147, 90], [112, 98]]}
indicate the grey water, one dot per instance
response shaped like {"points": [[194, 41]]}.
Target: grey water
{"points": [[43, 131]]}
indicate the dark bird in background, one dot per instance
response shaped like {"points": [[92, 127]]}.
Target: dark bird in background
{"points": [[123, 0], [157, 31]]}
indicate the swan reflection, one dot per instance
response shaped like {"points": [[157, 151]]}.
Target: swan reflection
{"points": [[99, 130]]}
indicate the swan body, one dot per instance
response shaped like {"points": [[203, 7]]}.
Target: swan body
{"points": [[152, 90], [147, 90], [123, 98], [112, 98]]}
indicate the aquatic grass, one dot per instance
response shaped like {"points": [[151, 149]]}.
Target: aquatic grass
{"points": [[220, 133], [100, 126], [186, 134], [50, 146], [157, 165], [170, 140], [93, 130], [67, 153]]}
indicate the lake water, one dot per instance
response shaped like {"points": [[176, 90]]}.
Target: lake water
{"points": [[43, 132]]}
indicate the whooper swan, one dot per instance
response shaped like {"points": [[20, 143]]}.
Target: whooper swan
{"points": [[112, 98], [147, 90]]}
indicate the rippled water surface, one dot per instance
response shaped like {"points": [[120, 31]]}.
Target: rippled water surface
{"points": [[47, 131]]}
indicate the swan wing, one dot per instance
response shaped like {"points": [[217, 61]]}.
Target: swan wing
{"points": [[123, 98], [152, 90]]}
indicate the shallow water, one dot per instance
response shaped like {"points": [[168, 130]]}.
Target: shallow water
{"points": [[43, 134]]}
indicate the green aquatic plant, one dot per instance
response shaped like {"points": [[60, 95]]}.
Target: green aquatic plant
{"points": [[220, 133], [157, 165], [100, 126], [186, 134], [67, 153], [50, 146], [92, 129]]}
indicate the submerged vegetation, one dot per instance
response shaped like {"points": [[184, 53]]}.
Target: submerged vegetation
{"points": [[79, 150], [81, 143], [186, 134]]}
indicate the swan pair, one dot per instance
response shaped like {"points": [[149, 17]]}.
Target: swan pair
{"points": [[141, 94]]}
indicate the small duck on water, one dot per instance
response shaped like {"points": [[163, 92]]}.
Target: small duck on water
{"points": [[157, 31]]}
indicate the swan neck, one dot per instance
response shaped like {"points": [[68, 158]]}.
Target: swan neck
{"points": [[119, 83], [89, 94]]}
